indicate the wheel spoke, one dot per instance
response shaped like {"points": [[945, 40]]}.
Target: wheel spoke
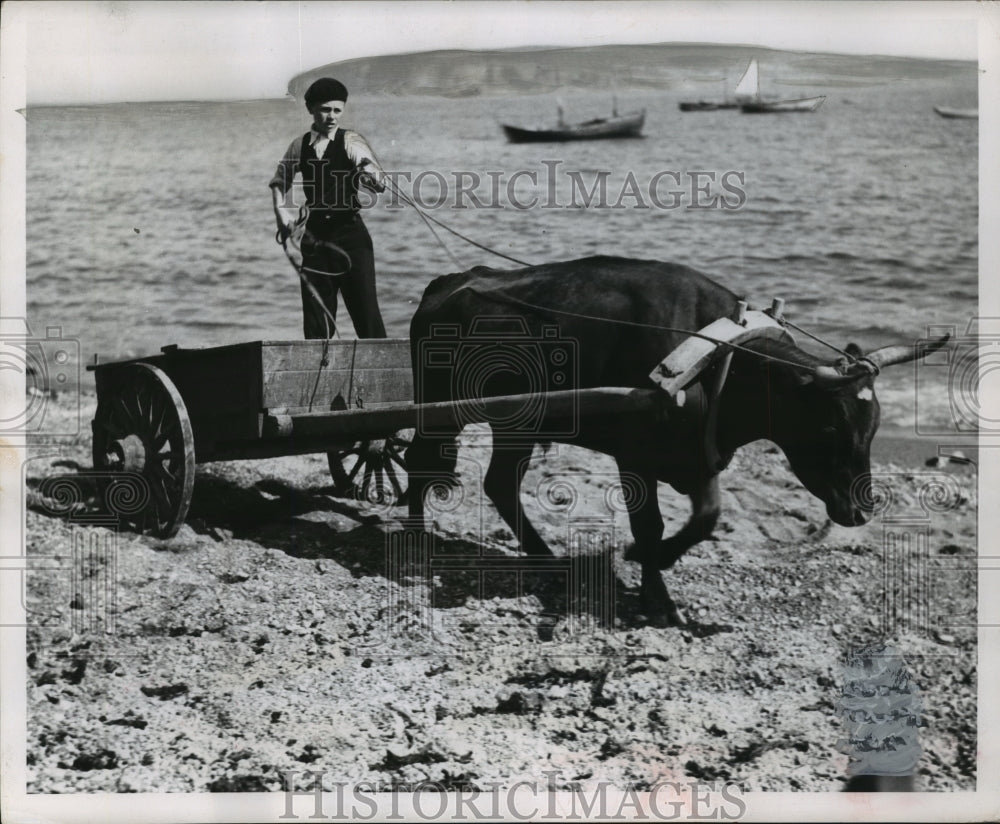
{"points": [[163, 474], [359, 464], [137, 399], [367, 482], [159, 431], [159, 488], [166, 492], [381, 485], [155, 414], [139, 414], [161, 496], [391, 473], [400, 444], [127, 425], [346, 453], [160, 441], [169, 433]]}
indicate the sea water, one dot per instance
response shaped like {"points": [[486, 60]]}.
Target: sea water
{"points": [[151, 224]]}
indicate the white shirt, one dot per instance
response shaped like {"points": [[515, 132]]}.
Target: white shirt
{"points": [[357, 148]]}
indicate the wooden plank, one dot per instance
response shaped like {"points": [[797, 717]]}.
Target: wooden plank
{"points": [[220, 390], [210, 380], [320, 389], [280, 356], [210, 432], [221, 386], [228, 391]]}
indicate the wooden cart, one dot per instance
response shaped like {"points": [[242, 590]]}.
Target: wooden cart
{"points": [[159, 416]]}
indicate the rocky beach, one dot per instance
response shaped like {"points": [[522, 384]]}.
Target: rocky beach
{"points": [[273, 634]]}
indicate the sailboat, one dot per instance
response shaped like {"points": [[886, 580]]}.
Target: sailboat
{"points": [[748, 96]]}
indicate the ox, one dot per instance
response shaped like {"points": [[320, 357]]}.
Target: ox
{"points": [[625, 316]]}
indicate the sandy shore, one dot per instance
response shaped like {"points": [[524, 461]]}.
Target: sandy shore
{"points": [[269, 634]]}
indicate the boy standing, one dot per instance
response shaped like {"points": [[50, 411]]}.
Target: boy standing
{"points": [[336, 248]]}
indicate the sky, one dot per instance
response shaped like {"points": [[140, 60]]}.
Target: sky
{"points": [[102, 52]]}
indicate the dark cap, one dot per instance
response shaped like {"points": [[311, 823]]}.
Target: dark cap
{"points": [[324, 89]]}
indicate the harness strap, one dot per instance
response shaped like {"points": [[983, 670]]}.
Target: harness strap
{"points": [[713, 459]]}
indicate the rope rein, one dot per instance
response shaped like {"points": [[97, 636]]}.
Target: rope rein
{"points": [[428, 220], [837, 349], [657, 327], [426, 217]]}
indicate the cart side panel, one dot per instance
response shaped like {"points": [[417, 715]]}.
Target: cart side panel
{"points": [[322, 375], [221, 388]]}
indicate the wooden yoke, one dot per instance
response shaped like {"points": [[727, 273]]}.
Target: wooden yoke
{"points": [[685, 364]]}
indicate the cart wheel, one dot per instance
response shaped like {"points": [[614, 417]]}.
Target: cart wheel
{"points": [[142, 426], [373, 470]]}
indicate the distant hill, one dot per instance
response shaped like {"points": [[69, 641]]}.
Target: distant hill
{"points": [[457, 73]]}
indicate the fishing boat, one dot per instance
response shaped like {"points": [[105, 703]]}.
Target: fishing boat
{"points": [[600, 128], [750, 101], [708, 105], [961, 114], [705, 106]]}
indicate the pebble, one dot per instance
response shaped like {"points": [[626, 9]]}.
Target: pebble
{"points": [[520, 703]]}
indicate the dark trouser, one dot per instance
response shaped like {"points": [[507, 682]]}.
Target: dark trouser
{"points": [[321, 253]]}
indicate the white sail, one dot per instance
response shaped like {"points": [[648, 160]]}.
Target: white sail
{"points": [[749, 86]]}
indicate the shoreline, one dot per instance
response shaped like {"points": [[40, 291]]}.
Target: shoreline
{"points": [[909, 450]]}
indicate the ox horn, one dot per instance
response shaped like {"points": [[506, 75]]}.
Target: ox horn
{"points": [[893, 355], [830, 377]]}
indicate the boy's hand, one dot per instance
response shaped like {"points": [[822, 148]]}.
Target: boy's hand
{"points": [[367, 179], [285, 225]]}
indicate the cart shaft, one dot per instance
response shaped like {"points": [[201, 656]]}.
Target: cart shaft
{"points": [[544, 407]]}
